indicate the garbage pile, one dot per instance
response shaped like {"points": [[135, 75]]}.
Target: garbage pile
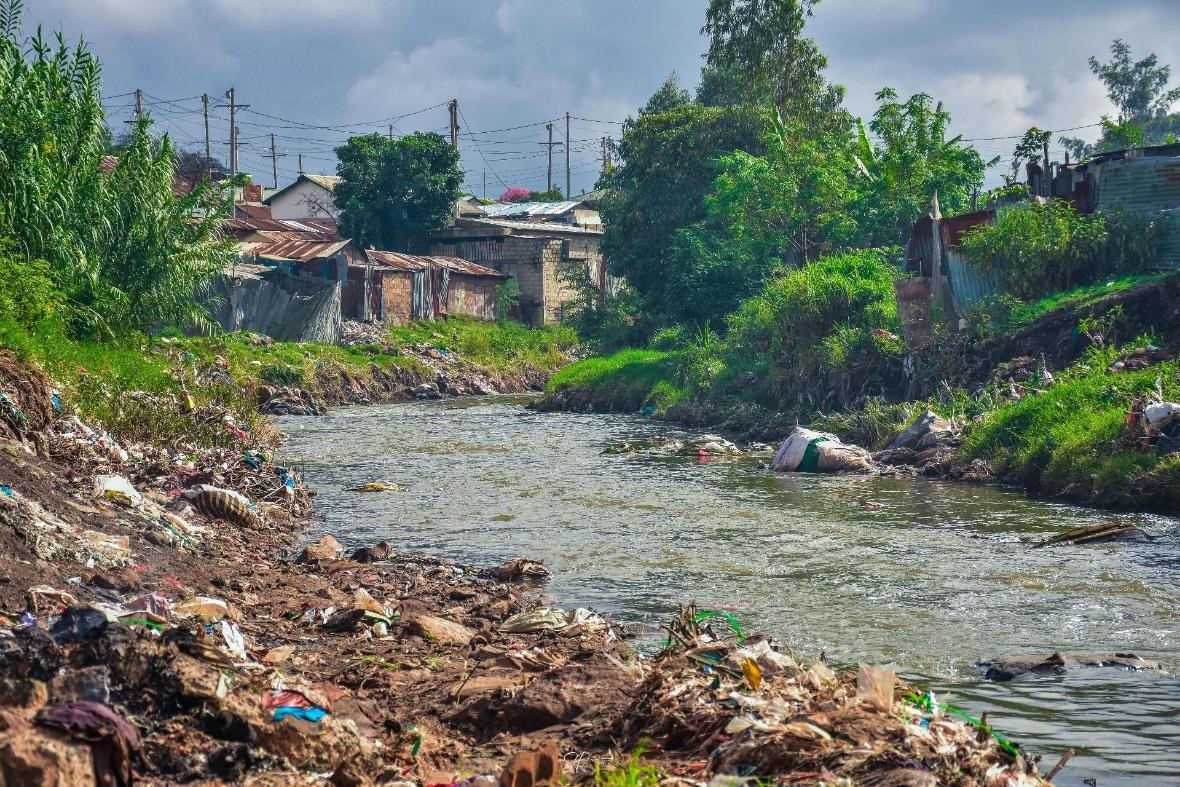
{"points": [[730, 705], [808, 451]]}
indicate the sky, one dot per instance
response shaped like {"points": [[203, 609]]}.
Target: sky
{"points": [[313, 72]]}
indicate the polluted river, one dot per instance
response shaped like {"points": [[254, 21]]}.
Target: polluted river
{"points": [[926, 576]]}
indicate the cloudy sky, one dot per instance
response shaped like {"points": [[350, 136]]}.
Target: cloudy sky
{"points": [[313, 71]]}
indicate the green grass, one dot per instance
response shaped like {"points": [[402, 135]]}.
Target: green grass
{"points": [[1078, 297], [1066, 440], [503, 345], [100, 378], [624, 381], [631, 772]]}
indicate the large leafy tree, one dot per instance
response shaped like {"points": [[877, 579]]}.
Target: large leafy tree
{"points": [[760, 43], [668, 162], [394, 189], [1139, 90]]}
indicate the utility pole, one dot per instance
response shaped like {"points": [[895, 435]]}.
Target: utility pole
{"points": [[390, 132], [274, 160], [606, 162], [567, 155], [1046, 186], [454, 109], [549, 145], [485, 184], [233, 129], [138, 104], [300, 163], [208, 149]]}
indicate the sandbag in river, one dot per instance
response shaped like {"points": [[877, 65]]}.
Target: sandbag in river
{"points": [[808, 451]]}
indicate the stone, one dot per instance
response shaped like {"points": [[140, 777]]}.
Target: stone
{"points": [[561, 695], [927, 423], [440, 630], [327, 548], [89, 684], [23, 693], [29, 755]]}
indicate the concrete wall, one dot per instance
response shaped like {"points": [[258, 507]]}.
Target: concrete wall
{"points": [[535, 264], [291, 203]]}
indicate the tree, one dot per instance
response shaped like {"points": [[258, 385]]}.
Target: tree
{"points": [[551, 195], [1140, 92], [667, 164], [192, 166], [394, 189], [761, 43], [669, 96], [910, 161], [515, 194], [1030, 148]]}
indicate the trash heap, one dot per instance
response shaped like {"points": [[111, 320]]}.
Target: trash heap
{"points": [[730, 705]]}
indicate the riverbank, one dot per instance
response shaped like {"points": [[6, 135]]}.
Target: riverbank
{"points": [[1043, 406], [213, 641]]}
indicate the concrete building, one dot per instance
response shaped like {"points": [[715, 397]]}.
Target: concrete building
{"points": [[309, 197], [543, 257]]}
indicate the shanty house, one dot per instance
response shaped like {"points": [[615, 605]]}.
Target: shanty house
{"points": [[543, 257], [309, 197], [423, 288]]}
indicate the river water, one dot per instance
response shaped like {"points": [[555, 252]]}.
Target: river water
{"points": [[927, 576]]}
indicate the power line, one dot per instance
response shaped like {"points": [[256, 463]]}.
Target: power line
{"points": [[481, 155]]}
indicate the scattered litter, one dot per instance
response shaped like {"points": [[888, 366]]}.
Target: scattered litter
{"points": [[550, 619], [77, 624], [521, 568], [203, 608], [226, 504], [118, 489], [376, 486]]}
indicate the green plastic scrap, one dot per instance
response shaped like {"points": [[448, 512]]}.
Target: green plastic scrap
{"points": [[707, 614], [141, 622], [926, 704]]}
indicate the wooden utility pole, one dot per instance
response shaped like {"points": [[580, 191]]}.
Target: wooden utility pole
{"points": [[567, 155], [274, 161], [391, 131], [233, 129], [454, 109], [138, 104], [208, 148], [485, 184], [300, 163], [606, 162]]}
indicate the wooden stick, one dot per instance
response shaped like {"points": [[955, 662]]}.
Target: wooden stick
{"points": [[1060, 764]]}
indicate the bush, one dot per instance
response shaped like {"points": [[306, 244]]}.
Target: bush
{"points": [[820, 336], [1038, 249]]}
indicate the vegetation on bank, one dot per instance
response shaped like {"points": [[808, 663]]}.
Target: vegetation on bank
{"points": [[134, 385]]}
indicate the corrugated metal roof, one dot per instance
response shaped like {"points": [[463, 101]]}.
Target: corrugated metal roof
{"points": [[545, 228], [327, 181], [412, 262], [324, 229], [297, 246], [531, 209]]}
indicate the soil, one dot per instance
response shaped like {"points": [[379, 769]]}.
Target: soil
{"points": [[250, 649]]}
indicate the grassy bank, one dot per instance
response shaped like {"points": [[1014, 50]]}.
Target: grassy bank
{"points": [[135, 386], [1070, 440]]}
